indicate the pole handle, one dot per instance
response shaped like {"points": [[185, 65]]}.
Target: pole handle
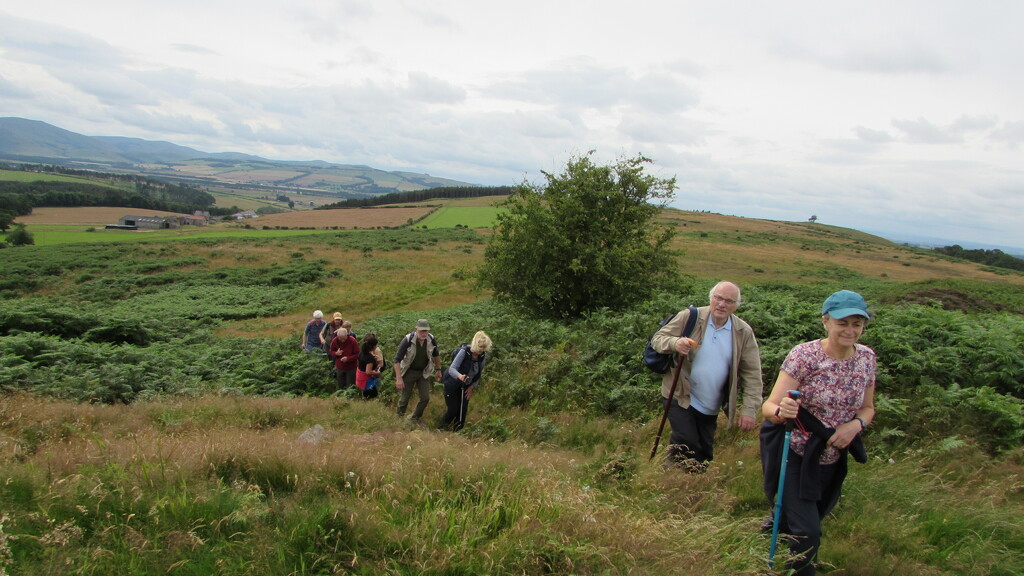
{"points": [[790, 423]]}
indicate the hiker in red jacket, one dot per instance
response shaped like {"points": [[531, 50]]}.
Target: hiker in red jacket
{"points": [[345, 350]]}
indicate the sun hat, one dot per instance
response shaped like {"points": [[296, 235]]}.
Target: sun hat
{"points": [[337, 316], [845, 303], [422, 324]]}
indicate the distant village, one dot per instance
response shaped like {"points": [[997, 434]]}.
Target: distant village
{"points": [[197, 218]]}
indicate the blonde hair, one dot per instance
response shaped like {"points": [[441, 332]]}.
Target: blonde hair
{"points": [[481, 343]]}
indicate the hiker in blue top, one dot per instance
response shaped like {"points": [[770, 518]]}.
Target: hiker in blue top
{"points": [[724, 374], [311, 333], [462, 378]]}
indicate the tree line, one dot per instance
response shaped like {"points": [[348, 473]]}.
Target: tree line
{"points": [[989, 257], [446, 192], [19, 198]]}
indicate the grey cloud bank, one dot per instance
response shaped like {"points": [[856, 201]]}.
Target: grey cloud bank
{"points": [[900, 119]]}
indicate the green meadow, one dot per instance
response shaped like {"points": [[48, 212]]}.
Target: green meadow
{"points": [[450, 216], [23, 176]]}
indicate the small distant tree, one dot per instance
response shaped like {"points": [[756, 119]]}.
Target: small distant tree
{"points": [[6, 218], [20, 236], [813, 219], [585, 240]]}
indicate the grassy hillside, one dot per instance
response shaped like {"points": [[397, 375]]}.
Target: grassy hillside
{"points": [[23, 176], [157, 416]]}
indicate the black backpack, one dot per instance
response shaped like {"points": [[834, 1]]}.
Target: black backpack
{"points": [[456, 352], [658, 362]]}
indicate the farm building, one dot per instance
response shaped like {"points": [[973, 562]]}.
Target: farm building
{"points": [[158, 222], [198, 218]]}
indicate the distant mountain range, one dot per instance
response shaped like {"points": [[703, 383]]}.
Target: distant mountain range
{"points": [[35, 142], [930, 242]]}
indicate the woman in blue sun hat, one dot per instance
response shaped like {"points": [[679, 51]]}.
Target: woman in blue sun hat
{"points": [[836, 379]]}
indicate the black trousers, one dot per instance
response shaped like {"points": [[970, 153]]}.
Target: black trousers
{"points": [[801, 518], [455, 398], [693, 434]]}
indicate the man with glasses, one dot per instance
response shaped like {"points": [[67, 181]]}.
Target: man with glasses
{"points": [[727, 365]]}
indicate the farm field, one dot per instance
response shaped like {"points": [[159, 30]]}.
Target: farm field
{"points": [[348, 218], [83, 216], [23, 176], [450, 216]]}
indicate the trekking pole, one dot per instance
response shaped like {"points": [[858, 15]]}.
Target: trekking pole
{"points": [[672, 392], [462, 408], [794, 394]]}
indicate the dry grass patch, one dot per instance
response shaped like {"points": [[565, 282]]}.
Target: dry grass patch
{"points": [[93, 215], [249, 176], [375, 283], [343, 218], [750, 250]]}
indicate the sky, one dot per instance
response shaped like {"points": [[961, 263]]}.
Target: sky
{"points": [[899, 118]]}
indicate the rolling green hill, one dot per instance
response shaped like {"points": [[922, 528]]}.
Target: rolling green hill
{"points": [[34, 142]]}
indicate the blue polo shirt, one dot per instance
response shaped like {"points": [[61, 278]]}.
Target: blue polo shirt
{"points": [[710, 369]]}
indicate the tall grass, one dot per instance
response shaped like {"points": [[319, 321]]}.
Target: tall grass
{"points": [[220, 485]]}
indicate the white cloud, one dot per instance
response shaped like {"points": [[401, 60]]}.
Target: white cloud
{"points": [[874, 136], [878, 116], [1011, 133], [923, 131]]}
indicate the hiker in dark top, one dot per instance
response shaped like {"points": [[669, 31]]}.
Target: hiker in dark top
{"points": [[416, 359], [462, 378], [836, 379], [328, 332], [370, 365]]}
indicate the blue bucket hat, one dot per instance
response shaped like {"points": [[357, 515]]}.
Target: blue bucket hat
{"points": [[845, 303]]}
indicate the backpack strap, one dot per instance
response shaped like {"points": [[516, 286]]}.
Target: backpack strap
{"points": [[403, 347], [691, 322]]}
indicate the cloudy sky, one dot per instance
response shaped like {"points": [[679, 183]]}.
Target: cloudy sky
{"points": [[904, 118]]}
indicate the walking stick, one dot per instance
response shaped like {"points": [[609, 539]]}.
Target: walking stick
{"points": [[672, 392], [462, 409], [794, 394]]}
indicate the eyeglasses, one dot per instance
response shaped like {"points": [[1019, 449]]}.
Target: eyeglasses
{"points": [[728, 301]]}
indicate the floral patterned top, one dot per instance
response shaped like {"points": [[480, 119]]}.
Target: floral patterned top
{"points": [[832, 390]]}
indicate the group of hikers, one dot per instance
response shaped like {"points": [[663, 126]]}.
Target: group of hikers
{"points": [[417, 365], [821, 402]]}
